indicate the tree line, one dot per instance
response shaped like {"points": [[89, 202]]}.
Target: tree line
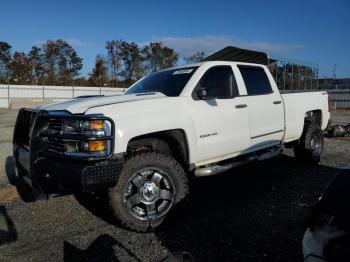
{"points": [[56, 62]]}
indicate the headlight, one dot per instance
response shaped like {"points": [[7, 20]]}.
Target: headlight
{"points": [[71, 125], [82, 137]]}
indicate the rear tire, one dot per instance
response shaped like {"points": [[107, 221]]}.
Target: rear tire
{"points": [[148, 187], [310, 145]]}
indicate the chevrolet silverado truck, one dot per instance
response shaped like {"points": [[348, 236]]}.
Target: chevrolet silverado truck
{"points": [[142, 146]]}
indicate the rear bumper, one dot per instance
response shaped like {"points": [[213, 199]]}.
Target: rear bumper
{"points": [[50, 173]]}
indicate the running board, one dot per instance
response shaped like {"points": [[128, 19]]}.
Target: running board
{"points": [[217, 169]]}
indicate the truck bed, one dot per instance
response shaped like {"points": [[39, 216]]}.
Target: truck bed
{"points": [[296, 104]]}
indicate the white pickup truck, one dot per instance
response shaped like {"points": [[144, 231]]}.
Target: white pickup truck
{"points": [[142, 146]]}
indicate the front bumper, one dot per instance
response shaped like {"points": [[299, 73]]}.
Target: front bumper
{"points": [[63, 176], [53, 173]]}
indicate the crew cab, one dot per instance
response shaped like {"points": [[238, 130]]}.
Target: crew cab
{"points": [[142, 146]]}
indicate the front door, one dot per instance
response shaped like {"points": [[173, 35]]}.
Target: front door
{"points": [[221, 122]]}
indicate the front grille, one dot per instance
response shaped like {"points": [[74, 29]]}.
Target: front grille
{"points": [[56, 145], [56, 127]]}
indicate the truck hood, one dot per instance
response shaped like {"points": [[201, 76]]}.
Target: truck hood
{"points": [[81, 105]]}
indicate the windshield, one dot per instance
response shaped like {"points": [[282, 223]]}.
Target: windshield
{"points": [[169, 82]]}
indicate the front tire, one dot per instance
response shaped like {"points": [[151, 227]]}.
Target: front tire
{"points": [[310, 145], [148, 187]]}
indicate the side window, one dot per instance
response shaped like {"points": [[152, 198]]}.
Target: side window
{"points": [[255, 80], [219, 82]]}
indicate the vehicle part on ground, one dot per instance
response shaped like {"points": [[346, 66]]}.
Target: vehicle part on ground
{"points": [[149, 185], [328, 237], [315, 240], [338, 130], [335, 200], [309, 148]]}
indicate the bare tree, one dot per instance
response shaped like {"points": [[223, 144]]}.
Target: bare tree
{"points": [[195, 58], [114, 59]]}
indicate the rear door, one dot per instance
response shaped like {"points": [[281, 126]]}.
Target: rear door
{"points": [[266, 112]]}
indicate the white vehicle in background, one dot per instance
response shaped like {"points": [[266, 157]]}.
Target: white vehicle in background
{"points": [[200, 120]]}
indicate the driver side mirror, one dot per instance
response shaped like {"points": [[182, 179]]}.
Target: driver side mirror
{"points": [[202, 93]]}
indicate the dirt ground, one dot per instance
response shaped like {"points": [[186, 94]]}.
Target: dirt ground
{"points": [[256, 212]]}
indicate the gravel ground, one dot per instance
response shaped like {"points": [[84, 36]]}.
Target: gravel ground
{"points": [[256, 212]]}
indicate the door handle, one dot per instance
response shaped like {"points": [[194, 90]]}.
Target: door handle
{"points": [[277, 102], [241, 106]]}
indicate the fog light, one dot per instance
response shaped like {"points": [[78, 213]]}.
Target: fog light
{"points": [[98, 145]]}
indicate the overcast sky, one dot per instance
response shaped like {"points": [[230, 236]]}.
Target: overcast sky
{"points": [[312, 31]]}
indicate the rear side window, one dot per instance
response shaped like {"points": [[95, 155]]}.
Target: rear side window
{"points": [[219, 82], [255, 80]]}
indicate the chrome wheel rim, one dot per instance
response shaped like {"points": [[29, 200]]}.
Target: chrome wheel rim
{"points": [[149, 194]]}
